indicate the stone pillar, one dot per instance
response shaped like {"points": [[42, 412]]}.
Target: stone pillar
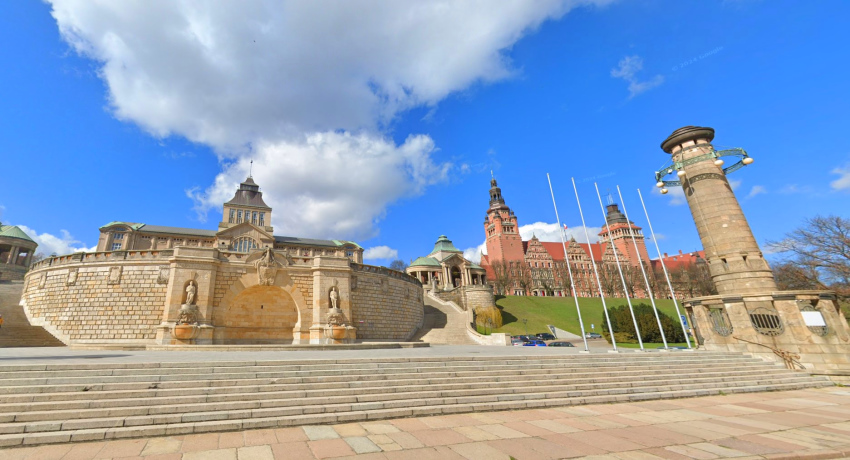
{"points": [[13, 255], [735, 261]]}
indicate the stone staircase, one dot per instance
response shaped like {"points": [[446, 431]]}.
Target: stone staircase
{"points": [[443, 324], [16, 330], [54, 403]]}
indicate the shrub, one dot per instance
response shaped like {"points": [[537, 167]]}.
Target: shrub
{"points": [[492, 313], [624, 329]]}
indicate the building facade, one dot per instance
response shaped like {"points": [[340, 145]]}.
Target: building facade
{"points": [[534, 267], [16, 252], [240, 284]]}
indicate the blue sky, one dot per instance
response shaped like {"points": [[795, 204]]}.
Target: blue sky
{"points": [[381, 122]]}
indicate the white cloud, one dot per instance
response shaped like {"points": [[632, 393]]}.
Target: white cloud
{"points": [[303, 85], [329, 185], [473, 254], [51, 244], [550, 233], [380, 252], [843, 181], [627, 69], [756, 190]]}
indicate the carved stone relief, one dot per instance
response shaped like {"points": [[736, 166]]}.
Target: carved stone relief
{"points": [[162, 278], [267, 268], [72, 277], [114, 275]]}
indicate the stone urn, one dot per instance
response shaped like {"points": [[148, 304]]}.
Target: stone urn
{"points": [[186, 331], [338, 332]]}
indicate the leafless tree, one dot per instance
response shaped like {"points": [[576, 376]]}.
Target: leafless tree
{"points": [[819, 254]]}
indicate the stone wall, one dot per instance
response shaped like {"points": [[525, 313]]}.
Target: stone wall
{"points": [[731, 328], [385, 304], [469, 297], [96, 300], [10, 272], [136, 297]]}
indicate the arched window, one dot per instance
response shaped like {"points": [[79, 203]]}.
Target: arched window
{"points": [[243, 244]]}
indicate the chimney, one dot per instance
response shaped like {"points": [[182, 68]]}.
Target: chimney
{"points": [[665, 255], [680, 252]]}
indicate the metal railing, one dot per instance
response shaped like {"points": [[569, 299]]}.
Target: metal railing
{"points": [[790, 358]]}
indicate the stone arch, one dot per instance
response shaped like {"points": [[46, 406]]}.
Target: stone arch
{"points": [[238, 318]]}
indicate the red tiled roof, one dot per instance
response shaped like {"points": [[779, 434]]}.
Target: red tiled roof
{"points": [[680, 260], [556, 250]]}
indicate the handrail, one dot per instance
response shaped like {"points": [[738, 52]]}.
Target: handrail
{"points": [[790, 358]]}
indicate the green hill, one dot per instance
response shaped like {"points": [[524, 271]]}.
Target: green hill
{"points": [[561, 312]]}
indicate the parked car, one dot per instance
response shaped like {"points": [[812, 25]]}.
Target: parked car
{"points": [[526, 338], [593, 335], [534, 343], [560, 344], [545, 336], [517, 342]]}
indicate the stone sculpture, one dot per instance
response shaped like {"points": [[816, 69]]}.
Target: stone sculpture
{"points": [[267, 268], [334, 295], [190, 293]]}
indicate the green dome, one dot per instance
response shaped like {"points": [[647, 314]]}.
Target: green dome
{"points": [[444, 244]]}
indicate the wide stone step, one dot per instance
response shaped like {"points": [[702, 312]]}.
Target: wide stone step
{"points": [[34, 377], [105, 418], [156, 381], [363, 413], [259, 390], [77, 401]]}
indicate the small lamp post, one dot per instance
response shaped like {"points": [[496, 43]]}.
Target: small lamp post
{"points": [[525, 323]]}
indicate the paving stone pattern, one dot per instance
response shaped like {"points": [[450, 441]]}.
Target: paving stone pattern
{"points": [[57, 403], [774, 425]]}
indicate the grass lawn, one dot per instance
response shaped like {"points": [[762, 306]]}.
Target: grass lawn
{"points": [[561, 313]]}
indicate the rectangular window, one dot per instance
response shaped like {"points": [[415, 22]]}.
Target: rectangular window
{"points": [[232, 216], [254, 217], [118, 236], [116, 246], [239, 217], [262, 219]]}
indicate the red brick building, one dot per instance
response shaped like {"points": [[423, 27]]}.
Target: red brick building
{"points": [[535, 267]]}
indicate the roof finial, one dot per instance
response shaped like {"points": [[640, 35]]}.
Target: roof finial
{"points": [[491, 175], [251, 169]]}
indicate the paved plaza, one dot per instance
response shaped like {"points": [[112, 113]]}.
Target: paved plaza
{"points": [[788, 424]]}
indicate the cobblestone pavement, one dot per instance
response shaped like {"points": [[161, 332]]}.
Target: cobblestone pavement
{"points": [[788, 424]]}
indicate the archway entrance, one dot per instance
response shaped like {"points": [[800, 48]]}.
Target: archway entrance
{"points": [[457, 280], [259, 314]]}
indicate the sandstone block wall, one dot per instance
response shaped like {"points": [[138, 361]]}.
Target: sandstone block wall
{"points": [[385, 307], [89, 306]]}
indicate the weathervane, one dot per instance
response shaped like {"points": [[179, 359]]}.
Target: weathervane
{"points": [[251, 169]]}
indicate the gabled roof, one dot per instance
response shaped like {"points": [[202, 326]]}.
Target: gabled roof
{"points": [[425, 262], [13, 231], [556, 250]]}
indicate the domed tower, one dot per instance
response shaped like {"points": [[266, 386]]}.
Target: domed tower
{"points": [[501, 229], [622, 231], [247, 205]]}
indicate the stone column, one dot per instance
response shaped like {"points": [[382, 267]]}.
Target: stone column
{"points": [[735, 261], [13, 255]]}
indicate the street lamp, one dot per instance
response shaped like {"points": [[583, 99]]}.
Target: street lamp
{"points": [[525, 323]]}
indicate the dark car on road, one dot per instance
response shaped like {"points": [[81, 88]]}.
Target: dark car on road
{"points": [[545, 336], [560, 344], [593, 335], [534, 343]]}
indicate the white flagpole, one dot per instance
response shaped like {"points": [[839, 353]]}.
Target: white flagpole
{"points": [[664, 267], [595, 271], [619, 267], [642, 270], [567, 261]]}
